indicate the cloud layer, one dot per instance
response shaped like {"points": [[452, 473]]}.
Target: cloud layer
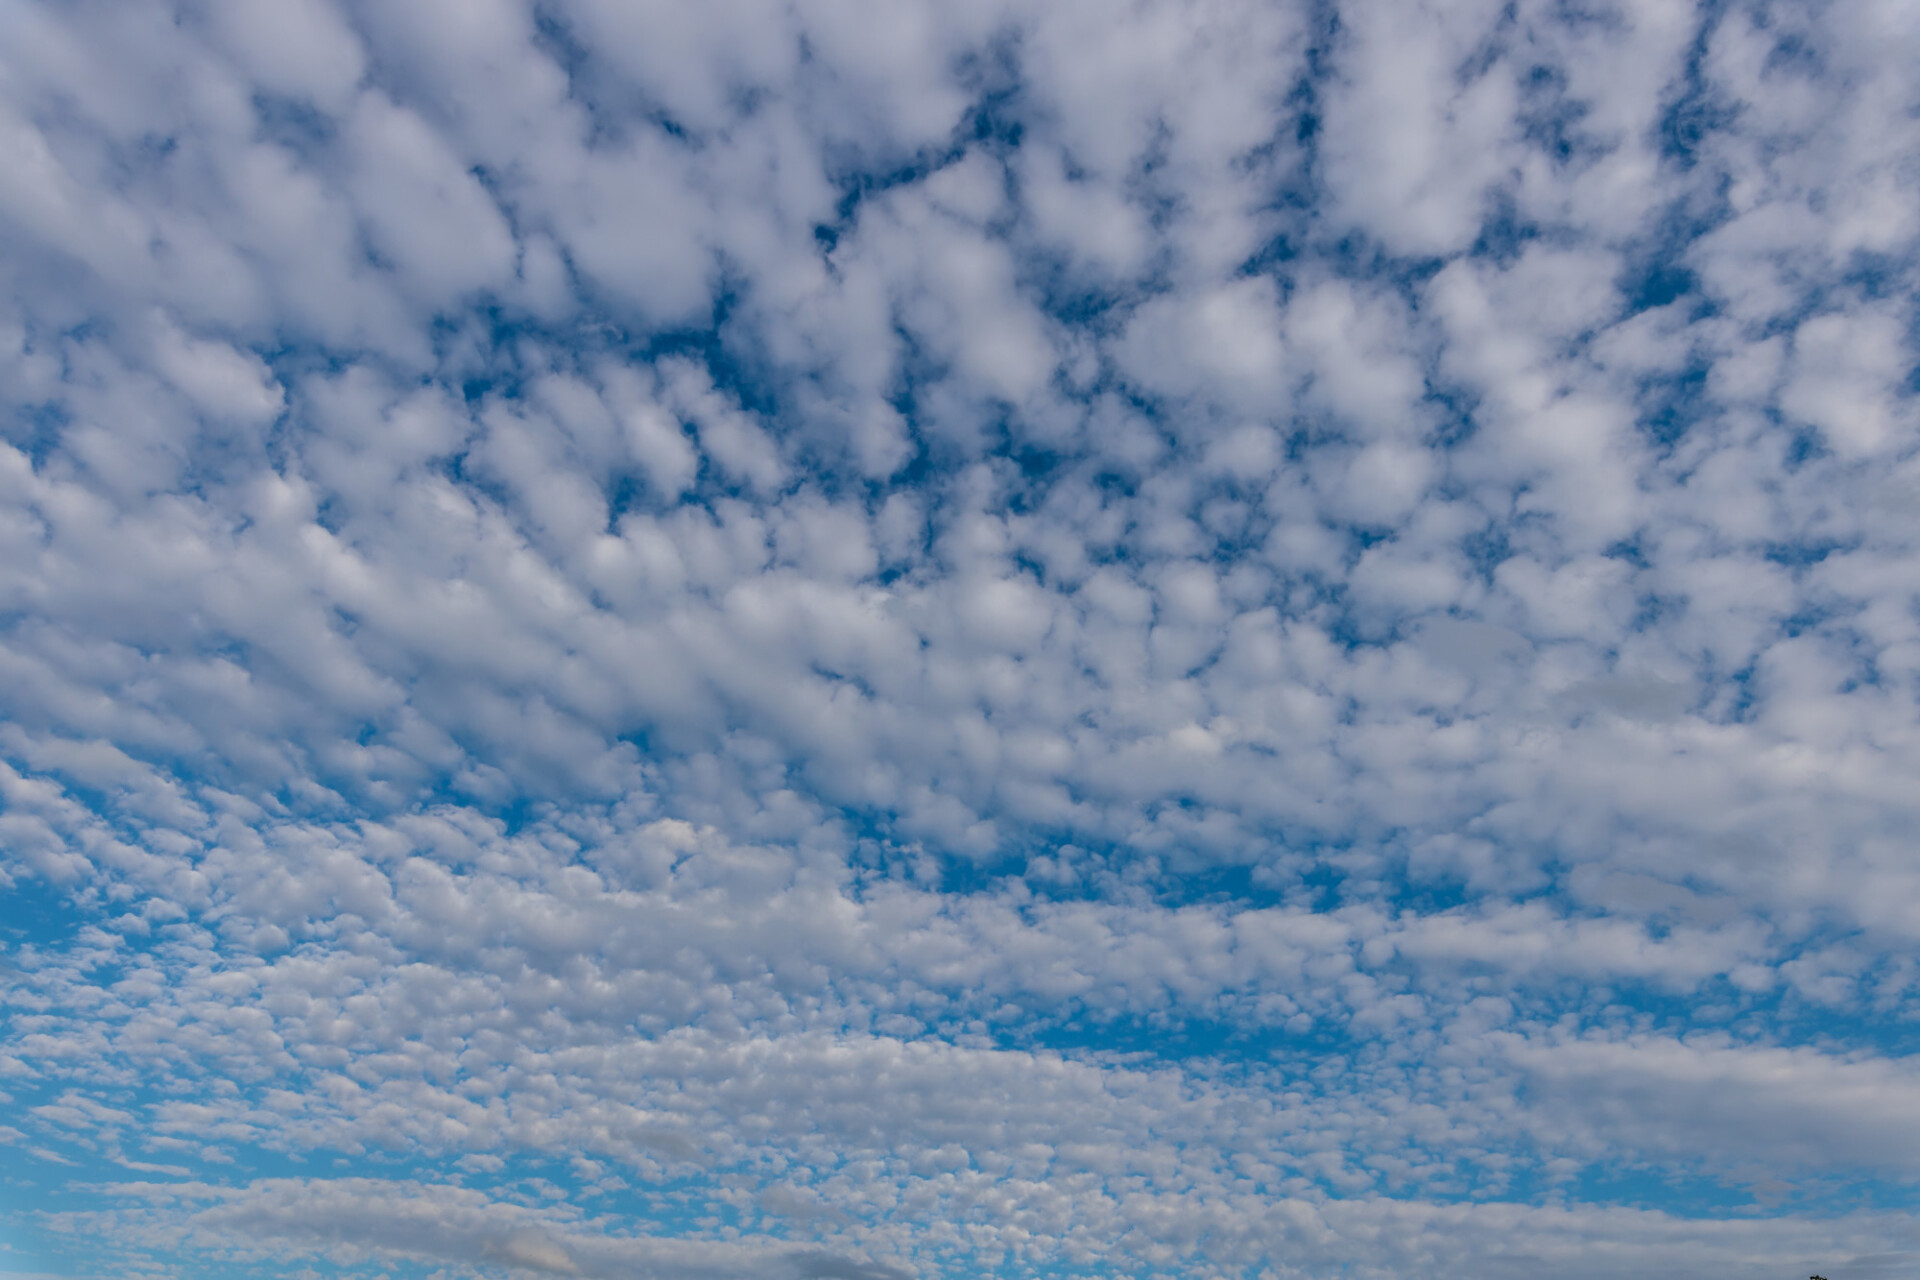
{"points": [[853, 640]]}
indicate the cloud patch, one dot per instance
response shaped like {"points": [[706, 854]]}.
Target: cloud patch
{"points": [[848, 640]]}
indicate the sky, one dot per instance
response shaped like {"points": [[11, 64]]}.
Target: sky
{"points": [[888, 640]]}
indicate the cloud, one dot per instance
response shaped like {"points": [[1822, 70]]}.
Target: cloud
{"points": [[364, 1218], [287, 1218], [864, 640]]}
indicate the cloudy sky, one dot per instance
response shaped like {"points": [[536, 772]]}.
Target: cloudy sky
{"points": [[895, 640]]}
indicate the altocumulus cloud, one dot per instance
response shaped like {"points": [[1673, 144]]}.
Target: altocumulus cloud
{"points": [[842, 640]]}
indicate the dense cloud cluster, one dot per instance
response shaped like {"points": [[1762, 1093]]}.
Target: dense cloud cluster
{"points": [[856, 640]]}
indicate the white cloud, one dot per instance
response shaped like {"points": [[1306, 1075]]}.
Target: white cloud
{"points": [[1184, 637]]}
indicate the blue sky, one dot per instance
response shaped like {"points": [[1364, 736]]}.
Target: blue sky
{"points": [[894, 641]]}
